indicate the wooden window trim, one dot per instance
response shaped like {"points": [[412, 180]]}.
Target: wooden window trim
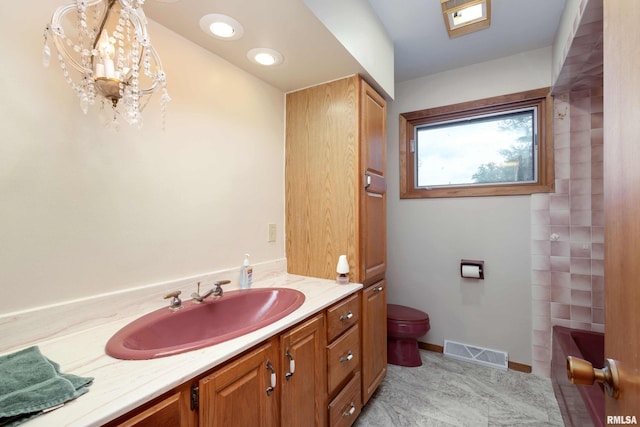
{"points": [[537, 97]]}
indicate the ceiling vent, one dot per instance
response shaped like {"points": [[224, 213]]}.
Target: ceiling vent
{"points": [[465, 16]]}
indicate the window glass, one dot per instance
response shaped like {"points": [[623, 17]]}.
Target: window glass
{"points": [[500, 146], [490, 149]]}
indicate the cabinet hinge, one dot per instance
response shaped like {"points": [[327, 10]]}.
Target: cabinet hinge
{"points": [[412, 145], [195, 397]]}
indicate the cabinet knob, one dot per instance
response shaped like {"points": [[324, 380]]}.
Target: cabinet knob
{"points": [[346, 317], [346, 358], [350, 411], [378, 289]]}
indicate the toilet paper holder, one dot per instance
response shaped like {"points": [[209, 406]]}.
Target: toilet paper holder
{"points": [[474, 269]]}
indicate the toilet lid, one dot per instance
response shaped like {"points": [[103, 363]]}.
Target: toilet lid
{"points": [[401, 312]]}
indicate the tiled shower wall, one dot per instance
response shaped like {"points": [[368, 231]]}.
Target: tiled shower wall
{"points": [[568, 227]]}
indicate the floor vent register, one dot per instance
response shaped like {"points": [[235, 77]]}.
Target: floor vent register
{"points": [[481, 356]]}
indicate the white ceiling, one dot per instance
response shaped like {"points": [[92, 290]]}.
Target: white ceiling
{"points": [[422, 46], [313, 55]]}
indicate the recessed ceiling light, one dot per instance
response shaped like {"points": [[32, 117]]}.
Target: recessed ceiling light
{"points": [[221, 26], [265, 56], [222, 29]]}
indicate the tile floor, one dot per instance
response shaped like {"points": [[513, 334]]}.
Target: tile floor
{"points": [[446, 392]]}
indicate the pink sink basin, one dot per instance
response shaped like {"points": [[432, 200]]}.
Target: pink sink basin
{"points": [[164, 332]]}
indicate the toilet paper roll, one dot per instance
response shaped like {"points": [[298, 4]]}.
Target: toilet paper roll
{"points": [[471, 271]]}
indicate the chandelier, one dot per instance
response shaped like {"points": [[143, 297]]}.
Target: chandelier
{"points": [[104, 51]]}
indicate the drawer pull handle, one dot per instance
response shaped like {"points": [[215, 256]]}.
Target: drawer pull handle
{"points": [[346, 358], [273, 379], [378, 289], [346, 317], [350, 411], [292, 365]]}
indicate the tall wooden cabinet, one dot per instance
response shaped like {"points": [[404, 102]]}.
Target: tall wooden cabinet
{"points": [[335, 187], [335, 199]]}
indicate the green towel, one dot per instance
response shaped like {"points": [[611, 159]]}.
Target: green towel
{"points": [[31, 384]]}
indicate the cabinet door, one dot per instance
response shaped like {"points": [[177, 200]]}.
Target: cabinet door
{"points": [[170, 411], [373, 238], [239, 394], [374, 338], [321, 178], [303, 389]]}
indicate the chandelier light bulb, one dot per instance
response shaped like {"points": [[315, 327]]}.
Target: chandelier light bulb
{"points": [[105, 52]]}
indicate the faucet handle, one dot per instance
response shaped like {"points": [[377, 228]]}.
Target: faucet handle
{"points": [[217, 292], [173, 294], [176, 303]]}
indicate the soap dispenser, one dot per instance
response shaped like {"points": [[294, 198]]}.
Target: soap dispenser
{"points": [[246, 274]]}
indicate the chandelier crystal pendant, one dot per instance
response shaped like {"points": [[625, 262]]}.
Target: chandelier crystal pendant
{"points": [[104, 50]]}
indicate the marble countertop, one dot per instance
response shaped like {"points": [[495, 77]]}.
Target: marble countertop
{"points": [[122, 385]]}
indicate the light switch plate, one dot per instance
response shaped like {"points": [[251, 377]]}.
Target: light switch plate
{"points": [[272, 233]]}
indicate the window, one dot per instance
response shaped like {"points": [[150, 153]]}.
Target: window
{"points": [[495, 146]]}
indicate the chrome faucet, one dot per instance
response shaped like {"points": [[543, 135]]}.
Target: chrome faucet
{"points": [[175, 303], [216, 292]]}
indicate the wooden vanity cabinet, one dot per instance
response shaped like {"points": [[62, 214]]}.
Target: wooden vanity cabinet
{"points": [[374, 338], [303, 379], [343, 361], [169, 410], [241, 393]]}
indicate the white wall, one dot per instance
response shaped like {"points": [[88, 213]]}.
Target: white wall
{"points": [[428, 238], [85, 210], [355, 24]]}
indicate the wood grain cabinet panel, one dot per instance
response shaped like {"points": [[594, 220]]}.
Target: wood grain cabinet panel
{"points": [[237, 394], [335, 184], [345, 408], [343, 358], [335, 200], [374, 338], [303, 378], [171, 410], [373, 195], [342, 316]]}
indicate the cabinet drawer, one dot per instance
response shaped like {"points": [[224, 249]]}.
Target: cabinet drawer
{"points": [[345, 408], [342, 316], [343, 358]]}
